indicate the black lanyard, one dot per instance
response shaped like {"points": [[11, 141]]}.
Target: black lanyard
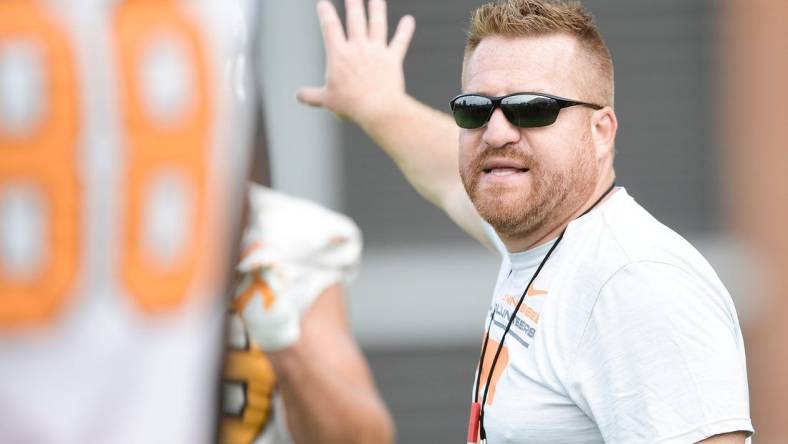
{"points": [[482, 433]]}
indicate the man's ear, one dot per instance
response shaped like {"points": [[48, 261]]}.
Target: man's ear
{"points": [[604, 125]]}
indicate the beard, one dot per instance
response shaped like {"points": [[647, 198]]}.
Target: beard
{"points": [[554, 194]]}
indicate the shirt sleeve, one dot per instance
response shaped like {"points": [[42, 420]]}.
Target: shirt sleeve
{"points": [[661, 359]]}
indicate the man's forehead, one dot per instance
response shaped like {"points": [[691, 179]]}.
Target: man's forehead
{"points": [[500, 65]]}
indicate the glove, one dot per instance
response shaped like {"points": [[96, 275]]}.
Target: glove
{"points": [[293, 250]]}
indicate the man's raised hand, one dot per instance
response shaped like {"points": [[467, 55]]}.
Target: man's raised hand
{"points": [[363, 69]]}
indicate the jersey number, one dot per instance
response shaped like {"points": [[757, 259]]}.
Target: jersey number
{"points": [[164, 143]]}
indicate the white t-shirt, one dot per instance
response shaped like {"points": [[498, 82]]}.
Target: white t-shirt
{"points": [[627, 335]]}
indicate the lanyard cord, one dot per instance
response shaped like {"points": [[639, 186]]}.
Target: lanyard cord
{"points": [[482, 433], [481, 359]]}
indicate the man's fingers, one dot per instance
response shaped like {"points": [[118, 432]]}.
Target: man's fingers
{"points": [[330, 25], [356, 19], [402, 36], [378, 28], [312, 96]]}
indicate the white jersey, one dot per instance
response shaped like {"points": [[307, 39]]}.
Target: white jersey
{"points": [[125, 134], [626, 335]]}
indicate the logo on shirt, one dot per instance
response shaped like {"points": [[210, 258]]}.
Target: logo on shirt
{"points": [[535, 292], [500, 366], [521, 330], [525, 309]]}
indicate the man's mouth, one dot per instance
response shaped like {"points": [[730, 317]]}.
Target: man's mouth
{"points": [[504, 171]]}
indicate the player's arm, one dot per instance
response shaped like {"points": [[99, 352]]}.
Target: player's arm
{"points": [[327, 389], [365, 83], [297, 255]]}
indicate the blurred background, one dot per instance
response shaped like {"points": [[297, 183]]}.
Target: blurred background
{"points": [[702, 145]]}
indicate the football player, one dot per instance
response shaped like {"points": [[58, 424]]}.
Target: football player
{"points": [[125, 134], [294, 372]]}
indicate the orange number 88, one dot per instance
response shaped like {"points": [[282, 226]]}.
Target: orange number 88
{"points": [[157, 148]]}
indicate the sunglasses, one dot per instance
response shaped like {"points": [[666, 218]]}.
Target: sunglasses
{"points": [[524, 109]]}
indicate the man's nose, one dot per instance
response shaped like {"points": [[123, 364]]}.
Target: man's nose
{"points": [[499, 132]]}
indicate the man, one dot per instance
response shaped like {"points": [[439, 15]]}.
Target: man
{"points": [[605, 325], [294, 372]]}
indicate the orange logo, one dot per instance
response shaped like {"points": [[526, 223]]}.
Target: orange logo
{"points": [[525, 309], [257, 288], [534, 292], [497, 372]]}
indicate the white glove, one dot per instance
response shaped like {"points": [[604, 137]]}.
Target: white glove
{"points": [[293, 250]]}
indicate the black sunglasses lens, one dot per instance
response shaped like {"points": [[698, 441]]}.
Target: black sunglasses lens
{"points": [[527, 111], [471, 112]]}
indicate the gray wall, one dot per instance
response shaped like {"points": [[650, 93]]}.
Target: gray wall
{"points": [[304, 157]]}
